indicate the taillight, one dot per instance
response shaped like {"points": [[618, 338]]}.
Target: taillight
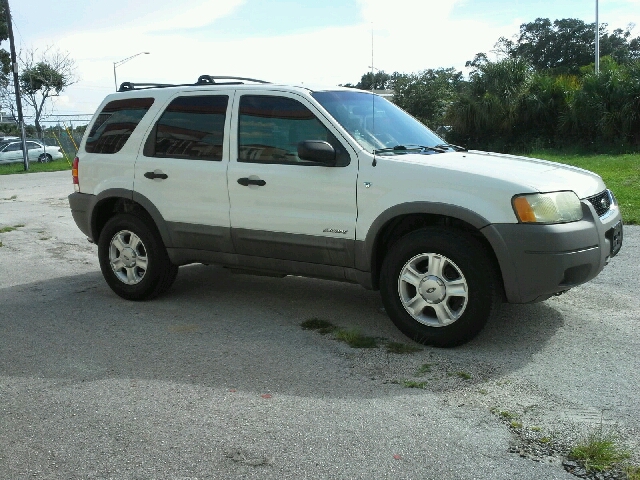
{"points": [[74, 174]]}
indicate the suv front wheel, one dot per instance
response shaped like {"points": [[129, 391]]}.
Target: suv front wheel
{"points": [[133, 259], [438, 286]]}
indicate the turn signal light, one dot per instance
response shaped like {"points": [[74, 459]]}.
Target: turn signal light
{"points": [[524, 210]]}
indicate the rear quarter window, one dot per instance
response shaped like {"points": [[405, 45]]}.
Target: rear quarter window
{"points": [[115, 124]]}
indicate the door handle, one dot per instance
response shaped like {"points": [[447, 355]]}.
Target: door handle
{"points": [[154, 175], [249, 181]]}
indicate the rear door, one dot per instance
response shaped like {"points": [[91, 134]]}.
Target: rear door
{"points": [[182, 170]]}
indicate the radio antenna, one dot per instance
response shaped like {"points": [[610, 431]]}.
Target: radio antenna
{"points": [[373, 105]]}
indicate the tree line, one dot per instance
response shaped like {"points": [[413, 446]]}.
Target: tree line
{"points": [[43, 74], [542, 91]]}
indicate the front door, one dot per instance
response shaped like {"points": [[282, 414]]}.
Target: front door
{"points": [[284, 207]]}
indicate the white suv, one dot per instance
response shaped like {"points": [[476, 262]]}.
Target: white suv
{"points": [[331, 183]]}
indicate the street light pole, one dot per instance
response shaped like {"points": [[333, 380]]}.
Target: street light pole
{"points": [[597, 41], [16, 85], [118, 63]]}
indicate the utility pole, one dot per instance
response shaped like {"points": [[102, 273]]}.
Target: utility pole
{"points": [[597, 41], [16, 84]]}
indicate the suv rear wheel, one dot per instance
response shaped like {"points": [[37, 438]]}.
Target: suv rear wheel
{"points": [[133, 259], [438, 286]]}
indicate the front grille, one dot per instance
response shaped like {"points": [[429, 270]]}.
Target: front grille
{"points": [[601, 202]]}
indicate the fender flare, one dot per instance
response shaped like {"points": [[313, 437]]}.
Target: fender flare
{"points": [[365, 249]]}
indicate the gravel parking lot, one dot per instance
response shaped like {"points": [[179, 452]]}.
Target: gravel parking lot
{"points": [[218, 380]]}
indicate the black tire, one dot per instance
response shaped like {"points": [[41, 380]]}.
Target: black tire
{"points": [[462, 261], [147, 279], [45, 158]]}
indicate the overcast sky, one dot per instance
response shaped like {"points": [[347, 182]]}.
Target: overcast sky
{"points": [[295, 41]]}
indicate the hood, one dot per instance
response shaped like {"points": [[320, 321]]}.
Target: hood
{"points": [[533, 174]]}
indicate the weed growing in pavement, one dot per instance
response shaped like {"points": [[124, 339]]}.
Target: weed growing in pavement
{"points": [[423, 369], [413, 384], [355, 339], [515, 424], [599, 451], [1, 244], [535, 429], [632, 472], [321, 326], [508, 415], [399, 348], [10, 229]]}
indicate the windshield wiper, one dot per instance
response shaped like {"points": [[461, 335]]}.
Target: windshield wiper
{"points": [[410, 147], [455, 147]]}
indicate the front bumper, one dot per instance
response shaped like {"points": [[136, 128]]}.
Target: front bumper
{"points": [[538, 261]]}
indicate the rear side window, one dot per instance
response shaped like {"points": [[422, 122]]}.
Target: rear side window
{"points": [[115, 124], [192, 127]]}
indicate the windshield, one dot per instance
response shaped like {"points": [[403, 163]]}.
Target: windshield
{"points": [[383, 132]]}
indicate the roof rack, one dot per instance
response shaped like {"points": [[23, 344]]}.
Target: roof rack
{"points": [[202, 81]]}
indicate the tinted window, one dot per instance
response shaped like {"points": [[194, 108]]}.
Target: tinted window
{"points": [[115, 123], [33, 145], [191, 127], [271, 127], [14, 147]]}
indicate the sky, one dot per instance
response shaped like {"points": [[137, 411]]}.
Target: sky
{"points": [[320, 42]]}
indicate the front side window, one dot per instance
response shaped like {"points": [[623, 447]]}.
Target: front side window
{"points": [[192, 127], [33, 146], [271, 127], [115, 124], [13, 147]]}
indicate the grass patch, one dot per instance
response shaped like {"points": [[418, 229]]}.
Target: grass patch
{"points": [[515, 424], [413, 384], [621, 173], [632, 472], [599, 451], [355, 339], [463, 375], [508, 415], [12, 197], [321, 326], [423, 369], [10, 229], [535, 429], [1, 244], [399, 348], [35, 167]]}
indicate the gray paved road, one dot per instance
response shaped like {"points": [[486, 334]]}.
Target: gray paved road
{"points": [[218, 380]]}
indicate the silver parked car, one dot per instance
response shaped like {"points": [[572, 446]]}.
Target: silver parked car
{"points": [[11, 151]]}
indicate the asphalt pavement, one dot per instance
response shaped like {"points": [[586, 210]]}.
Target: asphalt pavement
{"points": [[217, 379]]}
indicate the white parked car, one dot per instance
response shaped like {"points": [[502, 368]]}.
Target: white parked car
{"points": [[331, 183], [11, 151]]}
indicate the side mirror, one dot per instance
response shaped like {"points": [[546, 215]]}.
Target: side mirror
{"points": [[317, 151]]}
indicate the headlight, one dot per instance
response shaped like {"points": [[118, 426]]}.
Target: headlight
{"points": [[554, 207]]}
